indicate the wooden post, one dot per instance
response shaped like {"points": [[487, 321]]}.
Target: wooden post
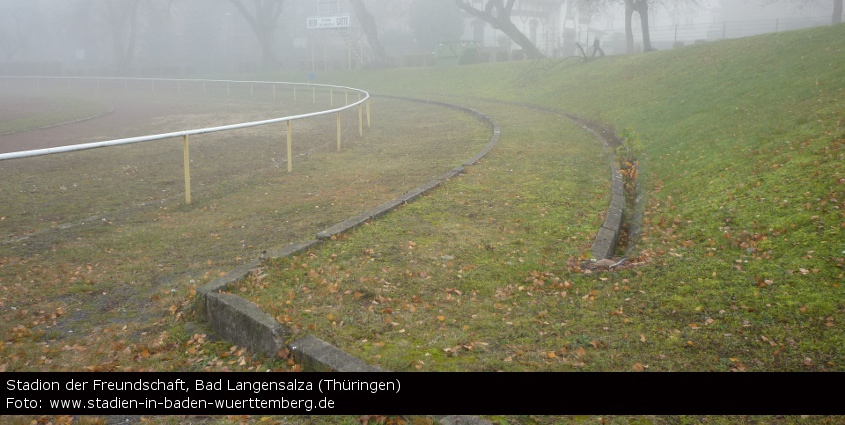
{"points": [[331, 98], [290, 150], [360, 119], [368, 112], [187, 160], [338, 131]]}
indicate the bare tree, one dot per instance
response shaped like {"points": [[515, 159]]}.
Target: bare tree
{"points": [[498, 14], [262, 17], [641, 7], [368, 24], [20, 22], [123, 19], [12, 38]]}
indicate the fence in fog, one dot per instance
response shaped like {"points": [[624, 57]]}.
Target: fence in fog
{"points": [[666, 36], [295, 89]]}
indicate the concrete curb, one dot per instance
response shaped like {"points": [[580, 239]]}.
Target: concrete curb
{"points": [[316, 355], [78, 120], [604, 244], [245, 324]]}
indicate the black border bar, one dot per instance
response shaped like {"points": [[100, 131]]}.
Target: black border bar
{"points": [[423, 393]]}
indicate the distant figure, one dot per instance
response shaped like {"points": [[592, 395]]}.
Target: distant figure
{"points": [[597, 48]]}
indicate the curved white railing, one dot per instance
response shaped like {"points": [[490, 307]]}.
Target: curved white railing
{"points": [[364, 99]]}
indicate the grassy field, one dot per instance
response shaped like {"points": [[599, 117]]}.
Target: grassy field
{"points": [[100, 254]]}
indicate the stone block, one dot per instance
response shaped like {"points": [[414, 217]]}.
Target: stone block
{"points": [[604, 244], [316, 355], [219, 284], [293, 249], [244, 324], [344, 226], [613, 220], [384, 208]]}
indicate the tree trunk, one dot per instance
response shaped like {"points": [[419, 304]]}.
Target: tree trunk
{"points": [[268, 56], [837, 11], [643, 11], [629, 30], [519, 38], [498, 16], [123, 48], [368, 24], [263, 24]]}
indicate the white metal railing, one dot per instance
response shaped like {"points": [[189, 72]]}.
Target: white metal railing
{"points": [[363, 100]]}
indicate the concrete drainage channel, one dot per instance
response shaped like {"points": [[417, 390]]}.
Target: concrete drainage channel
{"points": [[245, 324]]}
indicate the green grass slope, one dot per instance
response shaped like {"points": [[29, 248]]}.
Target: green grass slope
{"points": [[743, 172]]}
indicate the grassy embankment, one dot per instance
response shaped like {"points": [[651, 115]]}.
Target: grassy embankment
{"points": [[742, 248]]}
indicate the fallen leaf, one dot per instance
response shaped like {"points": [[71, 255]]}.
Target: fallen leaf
{"points": [[638, 367]]}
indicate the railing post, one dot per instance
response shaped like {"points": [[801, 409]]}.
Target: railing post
{"points": [[331, 97], [368, 112], [360, 119], [290, 151], [313, 94], [274, 90], [338, 131], [187, 160]]}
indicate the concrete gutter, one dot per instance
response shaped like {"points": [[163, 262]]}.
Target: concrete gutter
{"points": [[245, 324]]}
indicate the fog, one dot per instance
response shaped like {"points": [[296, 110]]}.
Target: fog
{"points": [[177, 38]]}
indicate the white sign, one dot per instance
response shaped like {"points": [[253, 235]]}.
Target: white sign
{"points": [[342, 21]]}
